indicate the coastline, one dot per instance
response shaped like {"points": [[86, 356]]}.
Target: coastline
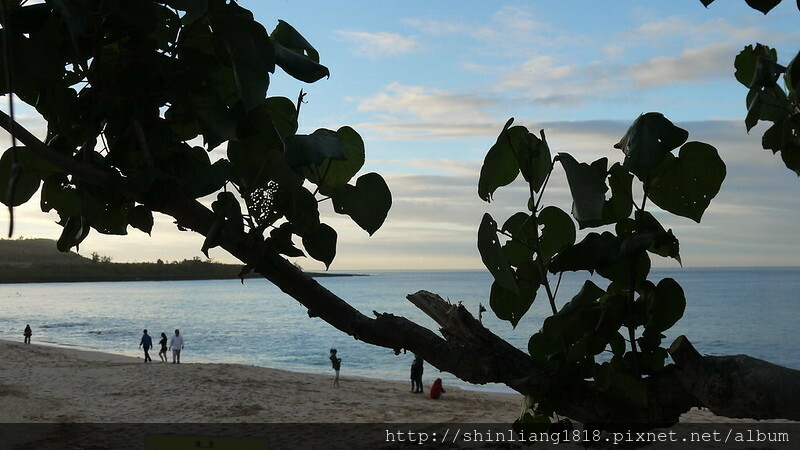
{"points": [[55, 384]]}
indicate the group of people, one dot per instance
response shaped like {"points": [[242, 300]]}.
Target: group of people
{"points": [[437, 391], [175, 343]]}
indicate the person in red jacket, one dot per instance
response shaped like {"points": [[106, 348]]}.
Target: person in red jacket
{"points": [[436, 389]]}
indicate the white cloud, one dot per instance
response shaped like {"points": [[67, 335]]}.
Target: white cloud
{"points": [[419, 102], [378, 44], [695, 64]]}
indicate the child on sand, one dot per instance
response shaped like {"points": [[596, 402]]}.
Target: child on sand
{"points": [[337, 364], [436, 389]]}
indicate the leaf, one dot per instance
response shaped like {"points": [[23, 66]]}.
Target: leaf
{"points": [[686, 185], [593, 252], [587, 185], [290, 38], [534, 159], [648, 141], [558, 232], [23, 180], [141, 218], [320, 243], [763, 5], [247, 44], [619, 206], [195, 9], [298, 66], [512, 306], [299, 207], [314, 149], [667, 306], [500, 166], [769, 104], [110, 218], [367, 203], [493, 256], [281, 241], [75, 231], [326, 157], [745, 65], [792, 76]]}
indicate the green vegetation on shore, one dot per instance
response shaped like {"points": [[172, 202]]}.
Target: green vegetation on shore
{"points": [[38, 261]]}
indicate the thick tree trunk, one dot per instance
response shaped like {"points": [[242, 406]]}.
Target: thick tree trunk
{"points": [[734, 386]]}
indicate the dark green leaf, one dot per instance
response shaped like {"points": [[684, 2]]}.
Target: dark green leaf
{"points": [[534, 159], [791, 157], [745, 65], [299, 207], [511, 306], [593, 252], [320, 243], [367, 203], [619, 206], [763, 5], [686, 185], [667, 306], [493, 256], [587, 185], [281, 241], [247, 44], [288, 37], [141, 218], [58, 195], [558, 232], [314, 149], [648, 141], [769, 104], [110, 218], [23, 180], [500, 167], [792, 76], [75, 231], [299, 66]]}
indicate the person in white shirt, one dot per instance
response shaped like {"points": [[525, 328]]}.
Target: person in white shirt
{"points": [[176, 344]]}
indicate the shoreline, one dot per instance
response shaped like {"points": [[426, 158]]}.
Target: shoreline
{"points": [[45, 383], [51, 384]]}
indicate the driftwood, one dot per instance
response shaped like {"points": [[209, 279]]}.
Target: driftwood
{"points": [[735, 386]]}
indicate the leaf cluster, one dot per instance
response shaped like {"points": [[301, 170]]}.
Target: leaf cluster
{"points": [[144, 91], [625, 319]]}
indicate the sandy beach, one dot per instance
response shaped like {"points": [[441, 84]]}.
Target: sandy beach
{"points": [[42, 383], [53, 385]]}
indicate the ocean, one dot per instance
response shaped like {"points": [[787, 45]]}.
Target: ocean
{"points": [[753, 311]]}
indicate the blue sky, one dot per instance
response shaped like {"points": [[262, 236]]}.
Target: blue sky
{"points": [[430, 84]]}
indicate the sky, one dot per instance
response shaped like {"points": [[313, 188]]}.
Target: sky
{"points": [[429, 85]]}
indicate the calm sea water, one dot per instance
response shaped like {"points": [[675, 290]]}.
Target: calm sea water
{"points": [[744, 310]]}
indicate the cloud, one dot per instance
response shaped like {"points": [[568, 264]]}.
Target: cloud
{"points": [[693, 65], [429, 104], [378, 44]]}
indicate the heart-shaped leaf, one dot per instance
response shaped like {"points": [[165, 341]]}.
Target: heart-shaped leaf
{"points": [[367, 203], [686, 185]]}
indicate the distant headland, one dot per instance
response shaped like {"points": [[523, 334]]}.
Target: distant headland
{"points": [[39, 261]]}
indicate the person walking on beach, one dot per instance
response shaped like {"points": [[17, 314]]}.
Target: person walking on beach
{"points": [[336, 362], [162, 354], [147, 344], [176, 344], [416, 375], [437, 390], [27, 333]]}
